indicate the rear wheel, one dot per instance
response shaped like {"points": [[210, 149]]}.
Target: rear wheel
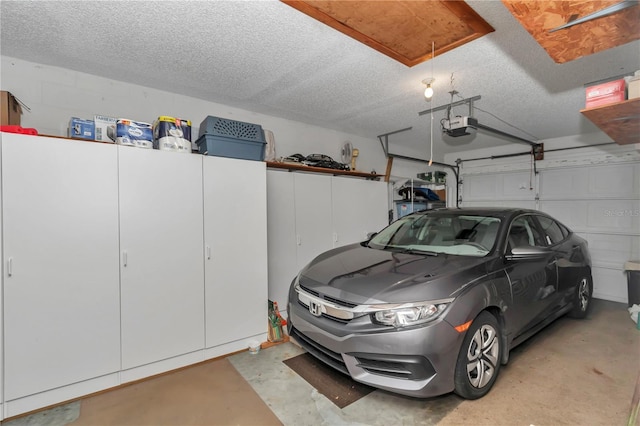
{"points": [[479, 358], [582, 298]]}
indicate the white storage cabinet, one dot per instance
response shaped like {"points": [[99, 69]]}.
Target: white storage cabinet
{"points": [[235, 230], [60, 257], [161, 240]]}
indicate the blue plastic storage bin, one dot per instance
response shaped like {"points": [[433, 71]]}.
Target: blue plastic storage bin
{"points": [[229, 147], [230, 138], [217, 126]]}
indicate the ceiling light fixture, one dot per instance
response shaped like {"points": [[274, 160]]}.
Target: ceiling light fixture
{"points": [[428, 92]]}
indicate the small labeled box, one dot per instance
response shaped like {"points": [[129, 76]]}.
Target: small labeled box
{"points": [[105, 128], [605, 93], [81, 129]]}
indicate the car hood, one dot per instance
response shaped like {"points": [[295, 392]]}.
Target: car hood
{"points": [[362, 275]]}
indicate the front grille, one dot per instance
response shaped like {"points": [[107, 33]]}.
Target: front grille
{"points": [[327, 316], [339, 302], [329, 298], [308, 290], [332, 359]]}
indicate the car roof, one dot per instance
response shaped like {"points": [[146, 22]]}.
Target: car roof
{"points": [[501, 212]]}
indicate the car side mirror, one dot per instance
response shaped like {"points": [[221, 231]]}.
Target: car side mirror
{"points": [[527, 252], [370, 235]]}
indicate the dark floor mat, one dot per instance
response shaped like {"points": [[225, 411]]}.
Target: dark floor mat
{"points": [[340, 389]]}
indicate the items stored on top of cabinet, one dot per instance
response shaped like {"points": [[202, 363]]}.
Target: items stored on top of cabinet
{"points": [[10, 109], [230, 138]]}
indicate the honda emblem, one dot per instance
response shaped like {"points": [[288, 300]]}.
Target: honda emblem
{"points": [[315, 309]]}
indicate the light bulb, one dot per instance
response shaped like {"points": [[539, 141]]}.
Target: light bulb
{"points": [[428, 92]]}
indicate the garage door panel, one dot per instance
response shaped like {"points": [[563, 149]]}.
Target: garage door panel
{"points": [[524, 204], [491, 187], [621, 216], [609, 284], [617, 181], [480, 187], [605, 181], [572, 213], [610, 251], [557, 184]]}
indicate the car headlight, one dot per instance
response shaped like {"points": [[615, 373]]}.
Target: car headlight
{"points": [[411, 314]]}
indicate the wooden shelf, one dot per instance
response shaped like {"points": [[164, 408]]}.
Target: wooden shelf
{"points": [[292, 167], [620, 121]]}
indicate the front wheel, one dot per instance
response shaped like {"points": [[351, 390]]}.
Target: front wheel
{"points": [[479, 358], [582, 298]]}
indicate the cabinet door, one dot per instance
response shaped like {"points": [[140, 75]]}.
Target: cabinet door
{"points": [[161, 255], [358, 208], [235, 226], [61, 284], [313, 216], [281, 219]]}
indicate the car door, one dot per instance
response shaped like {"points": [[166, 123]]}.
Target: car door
{"points": [[568, 256], [533, 279]]}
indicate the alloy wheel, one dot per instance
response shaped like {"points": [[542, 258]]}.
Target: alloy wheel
{"points": [[583, 294], [482, 356]]}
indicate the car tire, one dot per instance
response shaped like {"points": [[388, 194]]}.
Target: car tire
{"points": [[479, 358], [582, 298]]}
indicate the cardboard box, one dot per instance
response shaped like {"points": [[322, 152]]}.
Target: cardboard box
{"points": [[606, 93], [10, 109], [105, 128], [81, 129], [634, 88]]}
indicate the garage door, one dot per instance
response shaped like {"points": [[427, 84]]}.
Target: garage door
{"points": [[600, 202]]}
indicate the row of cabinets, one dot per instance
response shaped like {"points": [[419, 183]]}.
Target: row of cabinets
{"points": [[309, 214], [115, 258]]}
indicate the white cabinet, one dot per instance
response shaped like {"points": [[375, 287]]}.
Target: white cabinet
{"points": [[281, 219], [161, 243], [235, 229], [359, 207], [60, 257], [314, 234], [312, 213]]}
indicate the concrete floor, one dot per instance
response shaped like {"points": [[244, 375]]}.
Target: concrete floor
{"points": [[575, 372]]}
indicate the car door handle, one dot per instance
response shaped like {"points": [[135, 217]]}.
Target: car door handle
{"points": [[10, 267], [208, 252]]}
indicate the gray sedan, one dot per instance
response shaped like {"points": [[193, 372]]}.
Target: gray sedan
{"points": [[434, 302]]}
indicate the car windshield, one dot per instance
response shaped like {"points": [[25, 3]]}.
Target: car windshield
{"points": [[449, 233]]}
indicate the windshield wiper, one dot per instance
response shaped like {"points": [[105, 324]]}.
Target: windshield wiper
{"points": [[419, 251]]}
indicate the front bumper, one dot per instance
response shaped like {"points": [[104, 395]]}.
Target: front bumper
{"points": [[418, 361]]}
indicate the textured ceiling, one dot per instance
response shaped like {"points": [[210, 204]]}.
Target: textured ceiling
{"points": [[267, 57]]}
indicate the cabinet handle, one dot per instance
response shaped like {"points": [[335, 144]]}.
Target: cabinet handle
{"points": [[124, 259], [208, 252], [10, 267]]}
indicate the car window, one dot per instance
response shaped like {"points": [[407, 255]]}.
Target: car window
{"points": [[552, 230], [524, 233], [450, 233]]}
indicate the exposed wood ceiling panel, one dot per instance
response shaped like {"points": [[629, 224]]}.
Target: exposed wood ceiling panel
{"points": [[402, 30], [538, 17]]}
